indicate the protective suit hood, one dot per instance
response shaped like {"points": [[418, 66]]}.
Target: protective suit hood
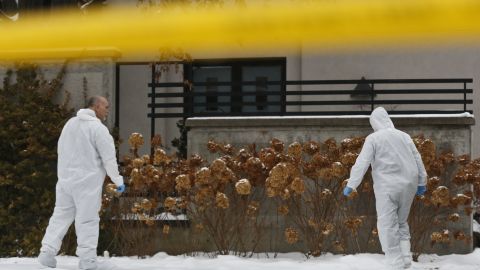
{"points": [[87, 115], [379, 119]]}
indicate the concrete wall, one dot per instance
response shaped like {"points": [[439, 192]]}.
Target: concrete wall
{"points": [[400, 63], [98, 75], [448, 133]]}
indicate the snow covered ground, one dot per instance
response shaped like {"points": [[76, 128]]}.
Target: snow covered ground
{"points": [[288, 261]]}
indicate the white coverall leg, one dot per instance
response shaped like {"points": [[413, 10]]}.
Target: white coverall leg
{"points": [[62, 217], [392, 216], [87, 223], [84, 212]]}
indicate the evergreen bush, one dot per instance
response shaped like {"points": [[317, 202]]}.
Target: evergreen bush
{"points": [[30, 125]]}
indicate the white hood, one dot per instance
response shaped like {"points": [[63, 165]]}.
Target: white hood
{"points": [[379, 119], [87, 115]]}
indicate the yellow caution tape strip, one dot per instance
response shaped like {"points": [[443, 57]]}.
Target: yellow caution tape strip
{"points": [[314, 24]]}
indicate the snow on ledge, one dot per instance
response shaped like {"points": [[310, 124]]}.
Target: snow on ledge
{"points": [[453, 115]]}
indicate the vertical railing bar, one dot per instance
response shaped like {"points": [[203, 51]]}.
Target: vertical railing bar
{"points": [[152, 100], [372, 97]]}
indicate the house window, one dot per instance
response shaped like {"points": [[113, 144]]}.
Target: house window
{"points": [[212, 98], [261, 89], [231, 94]]}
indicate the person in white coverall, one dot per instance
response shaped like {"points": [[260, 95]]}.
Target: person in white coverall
{"points": [[398, 173], [86, 152]]}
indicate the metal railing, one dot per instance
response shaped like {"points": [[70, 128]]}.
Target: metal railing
{"points": [[317, 97]]}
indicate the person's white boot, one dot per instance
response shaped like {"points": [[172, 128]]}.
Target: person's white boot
{"points": [[47, 259], [406, 253]]}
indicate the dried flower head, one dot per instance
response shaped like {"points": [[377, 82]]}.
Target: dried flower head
{"points": [[464, 199], [454, 217], [221, 200], [138, 163], [297, 185], [320, 161], [127, 160], [268, 157], [433, 182], [348, 159], [440, 237], [441, 196], [353, 223], [338, 246], [254, 167], [135, 176], [227, 149], [111, 189], [146, 159], [218, 165], [135, 140], [427, 150], [460, 236], [195, 160], [295, 150], [136, 208], [291, 235], [338, 170], [203, 176], [252, 208], [203, 196], [311, 222], [282, 210], [285, 194], [326, 193], [270, 191], [156, 141], [328, 229], [352, 144], [227, 176], [212, 146], [279, 175], [160, 156], [277, 145], [243, 187], [169, 203], [311, 147], [146, 205], [182, 182]]}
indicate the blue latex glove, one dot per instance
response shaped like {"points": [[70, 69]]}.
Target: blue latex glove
{"points": [[421, 190], [121, 188], [347, 191]]}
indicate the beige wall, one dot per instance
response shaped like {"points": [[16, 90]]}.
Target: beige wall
{"points": [[440, 62]]}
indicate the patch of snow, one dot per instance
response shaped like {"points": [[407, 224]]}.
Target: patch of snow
{"points": [[260, 261], [476, 226]]}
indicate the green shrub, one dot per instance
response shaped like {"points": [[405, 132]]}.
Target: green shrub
{"points": [[30, 124]]}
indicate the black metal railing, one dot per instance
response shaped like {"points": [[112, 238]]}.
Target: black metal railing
{"points": [[317, 97]]}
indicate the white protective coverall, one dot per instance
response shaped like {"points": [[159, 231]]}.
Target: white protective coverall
{"points": [[86, 152], [397, 170]]}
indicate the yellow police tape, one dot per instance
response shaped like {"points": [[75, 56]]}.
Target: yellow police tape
{"points": [[314, 24]]}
